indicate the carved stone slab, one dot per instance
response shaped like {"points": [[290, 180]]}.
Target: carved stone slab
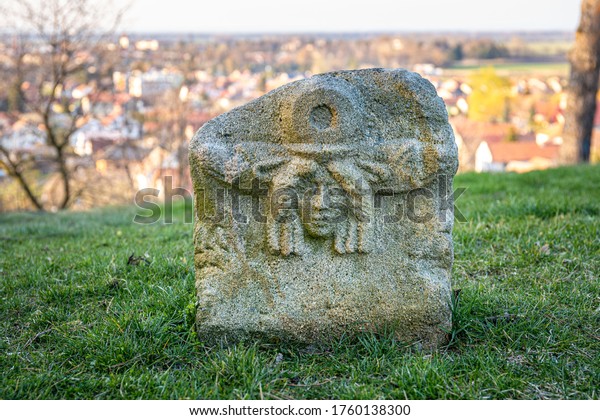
{"points": [[325, 208]]}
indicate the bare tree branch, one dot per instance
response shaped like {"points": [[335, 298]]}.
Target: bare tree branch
{"points": [[58, 35], [14, 169]]}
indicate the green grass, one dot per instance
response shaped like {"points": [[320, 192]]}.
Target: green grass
{"points": [[78, 322]]}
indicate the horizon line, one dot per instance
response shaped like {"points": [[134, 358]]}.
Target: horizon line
{"points": [[4, 31]]}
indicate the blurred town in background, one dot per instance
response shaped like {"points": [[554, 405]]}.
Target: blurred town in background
{"points": [[128, 113]]}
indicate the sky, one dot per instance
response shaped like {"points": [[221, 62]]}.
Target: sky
{"points": [[260, 16]]}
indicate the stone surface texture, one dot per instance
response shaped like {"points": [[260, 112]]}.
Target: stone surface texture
{"points": [[324, 208]]}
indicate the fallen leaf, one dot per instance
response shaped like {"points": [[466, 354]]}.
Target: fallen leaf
{"points": [[133, 260], [506, 317]]}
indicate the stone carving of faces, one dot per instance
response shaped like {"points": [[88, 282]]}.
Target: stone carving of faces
{"points": [[323, 207], [321, 129], [328, 200]]}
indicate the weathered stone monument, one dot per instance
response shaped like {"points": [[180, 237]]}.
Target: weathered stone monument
{"points": [[325, 208]]}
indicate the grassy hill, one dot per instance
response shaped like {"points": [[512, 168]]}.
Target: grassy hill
{"points": [[78, 321]]}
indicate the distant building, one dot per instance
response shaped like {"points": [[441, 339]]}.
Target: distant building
{"points": [[146, 45], [124, 42], [97, 135], [520, 156], [153, 82], [25, 137], [469, 134]]}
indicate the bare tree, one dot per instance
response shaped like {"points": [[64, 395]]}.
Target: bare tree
{"points": [[55, 43], [583, 86], [174, 129]]}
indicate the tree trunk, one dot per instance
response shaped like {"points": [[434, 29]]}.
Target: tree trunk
{"points": [[583, 86], [21, 179], [36, 203], [16, 172], [66, 177]]}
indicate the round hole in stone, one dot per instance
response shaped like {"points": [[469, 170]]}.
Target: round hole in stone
{"points": [[321, 117]]}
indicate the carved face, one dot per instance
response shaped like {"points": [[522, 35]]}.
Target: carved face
{"points": [[329, 197], [323, 208]]}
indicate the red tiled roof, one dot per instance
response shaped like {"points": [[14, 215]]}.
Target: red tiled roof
{"points": [[548, 109], [104, 96], [122, 98], [150, 126], [473, 132], [198, 118], [522, 150]]}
